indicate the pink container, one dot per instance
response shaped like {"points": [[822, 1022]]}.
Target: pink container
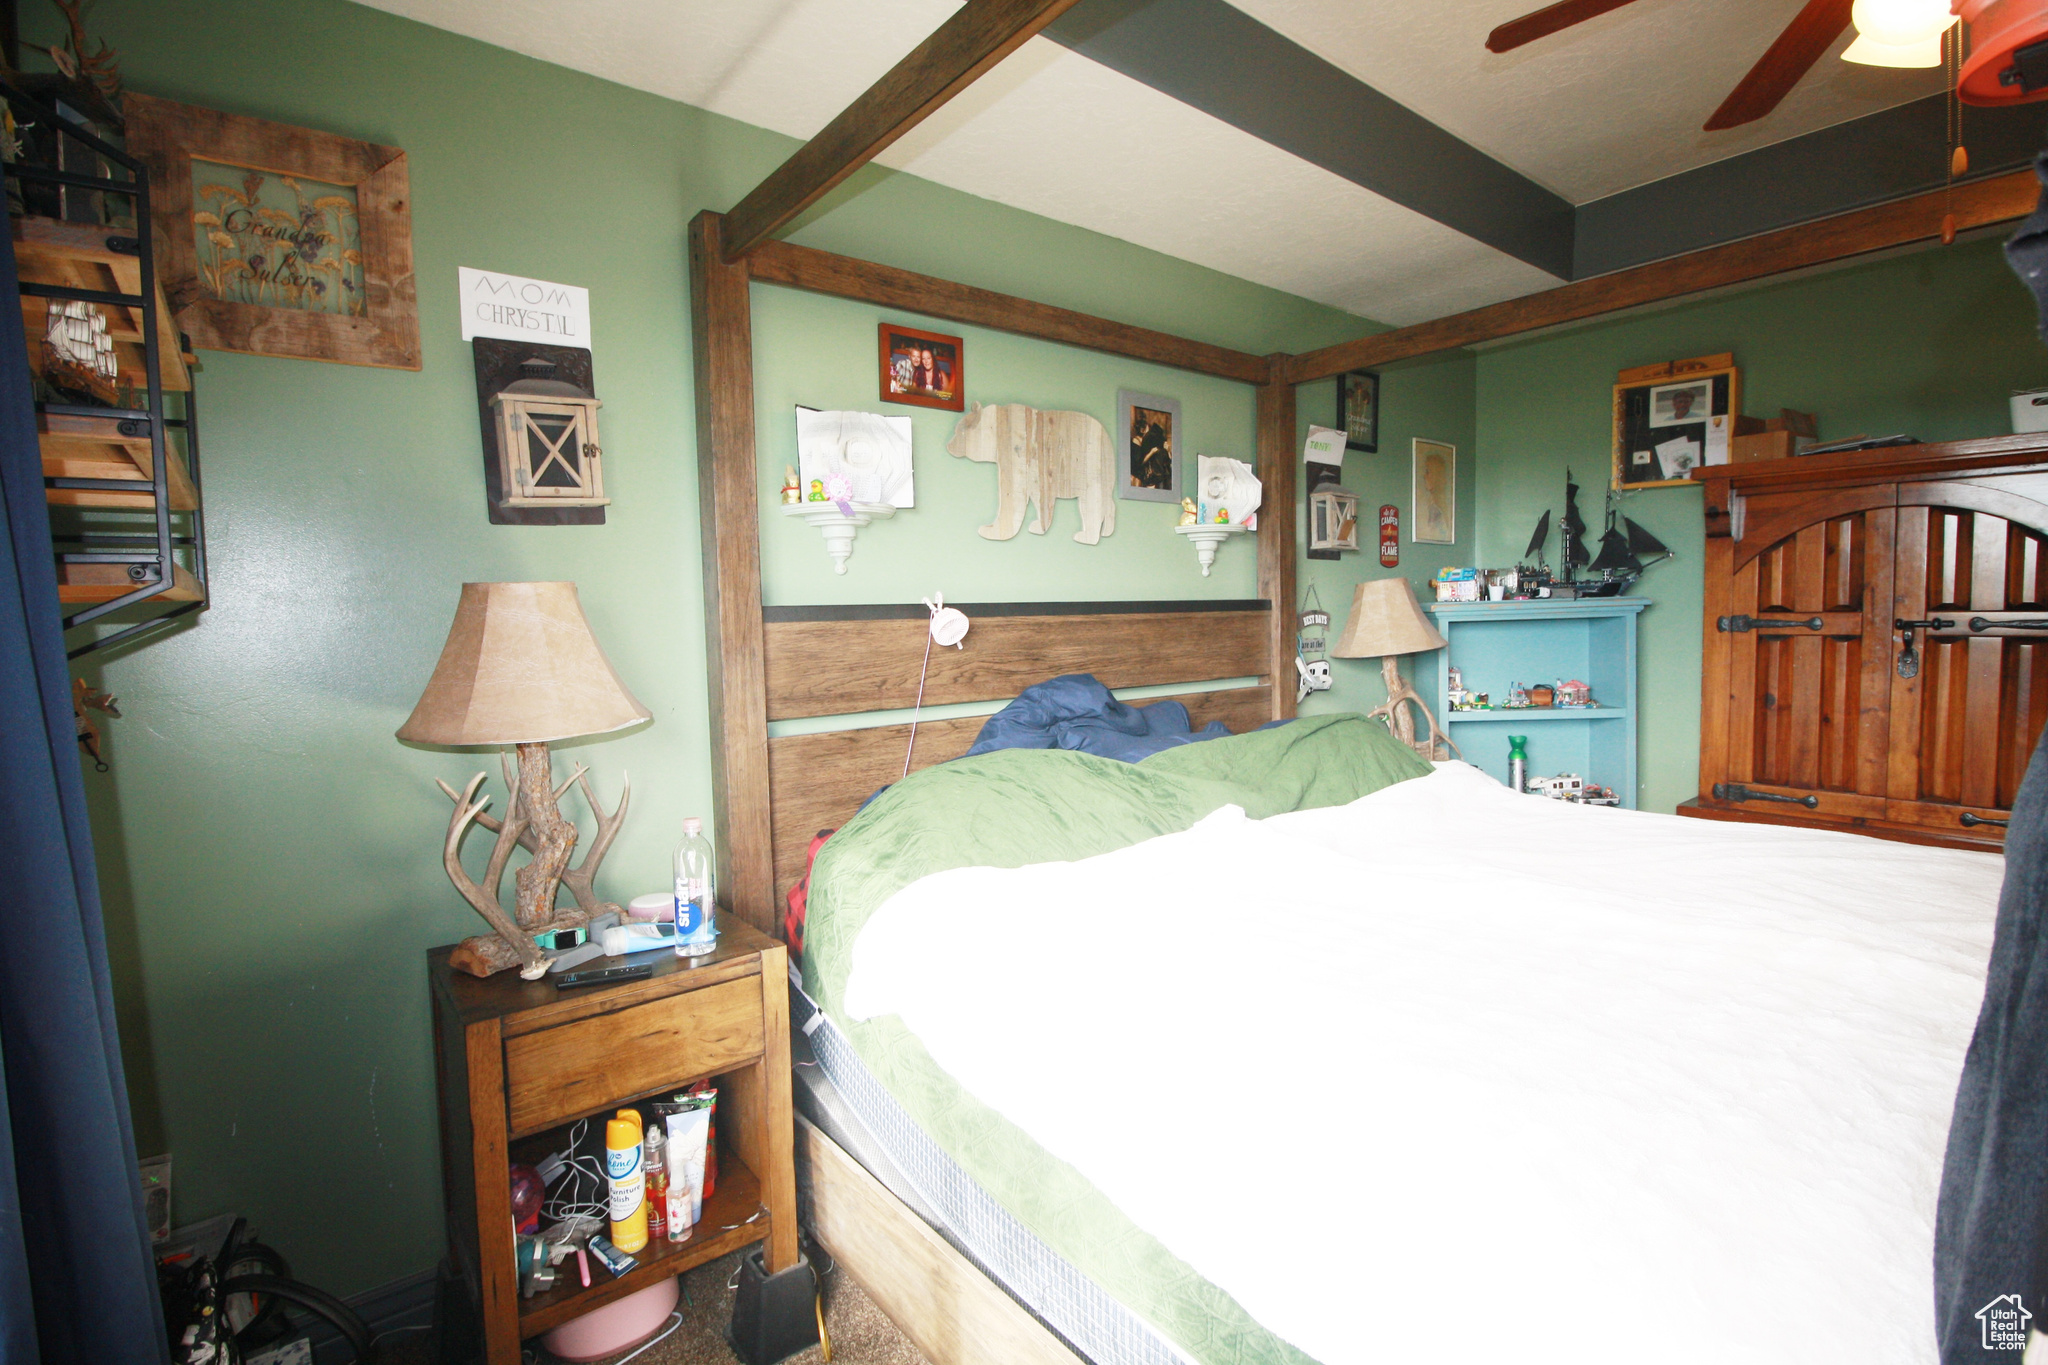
{"points": [[618, 1326]]}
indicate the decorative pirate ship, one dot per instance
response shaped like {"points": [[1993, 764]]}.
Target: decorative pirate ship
{"points": [[1626, 551]]}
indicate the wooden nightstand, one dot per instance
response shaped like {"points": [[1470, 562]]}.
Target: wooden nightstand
{"points": [[518, 1062]]}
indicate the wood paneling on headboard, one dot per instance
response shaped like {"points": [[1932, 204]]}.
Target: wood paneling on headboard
{"points": [[831, 661], [824, 661], [818, 781]]}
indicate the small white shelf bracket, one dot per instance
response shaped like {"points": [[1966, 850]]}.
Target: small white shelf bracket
{"points": [[839, 527], [1207, 538]]}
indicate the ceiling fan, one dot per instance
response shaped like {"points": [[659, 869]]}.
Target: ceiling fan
{"points": [[1890, 33]]}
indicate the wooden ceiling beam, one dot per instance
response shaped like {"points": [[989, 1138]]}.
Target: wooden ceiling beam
{"points": [[980, 34], [1980, 203], [823, 272]]}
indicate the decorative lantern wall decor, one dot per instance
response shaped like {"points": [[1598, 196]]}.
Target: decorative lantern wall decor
{"points": [[543, 463], [1332, 518]]}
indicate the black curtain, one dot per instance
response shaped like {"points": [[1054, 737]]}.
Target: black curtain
{"points": [[1989, 1263], [77, 1280]]}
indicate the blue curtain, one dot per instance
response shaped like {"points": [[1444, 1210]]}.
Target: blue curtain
{"points": [[77, 1280]]}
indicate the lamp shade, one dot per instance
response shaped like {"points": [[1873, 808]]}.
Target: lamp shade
{"points": [[1386, 619], [520, 667]]}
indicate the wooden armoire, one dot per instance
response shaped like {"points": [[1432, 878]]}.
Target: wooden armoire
{"points": [[1876, 639]]}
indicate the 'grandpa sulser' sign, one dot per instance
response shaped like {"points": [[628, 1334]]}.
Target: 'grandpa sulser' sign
{"points": [[512, 306]]}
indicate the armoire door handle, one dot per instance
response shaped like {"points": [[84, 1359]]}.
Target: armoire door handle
{"points": [[1970, 820], [1735, 791], [1739, 624], [1981, 623]]}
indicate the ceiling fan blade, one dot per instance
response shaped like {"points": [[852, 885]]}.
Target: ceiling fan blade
{"points": [[1805, 41], [1546, 21]]}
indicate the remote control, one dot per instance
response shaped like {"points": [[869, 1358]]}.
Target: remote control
{"points": [[604, 975]]}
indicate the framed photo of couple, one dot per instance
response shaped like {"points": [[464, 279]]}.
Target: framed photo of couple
{"points": [[925, 369]]}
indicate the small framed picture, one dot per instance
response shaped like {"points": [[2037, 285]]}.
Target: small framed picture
{"points": [[1435, 493], [925, 369], [1358, 409], [1148, 433]]}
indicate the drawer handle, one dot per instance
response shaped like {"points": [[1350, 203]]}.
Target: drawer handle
{"points": [[1971, 820], [1981, 624], [1735, 791]]}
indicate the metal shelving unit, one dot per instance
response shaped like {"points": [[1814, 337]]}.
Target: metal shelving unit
{"points": [[122, 482]]}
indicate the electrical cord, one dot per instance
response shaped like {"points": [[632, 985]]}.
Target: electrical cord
{"points": [[675, 1321], [580, 1192]]}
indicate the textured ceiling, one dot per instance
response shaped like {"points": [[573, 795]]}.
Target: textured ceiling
{"points": [[1608, 104], [1611, 104]]}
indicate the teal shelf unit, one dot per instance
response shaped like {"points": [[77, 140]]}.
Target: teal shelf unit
{"points": [[1495, 643]]}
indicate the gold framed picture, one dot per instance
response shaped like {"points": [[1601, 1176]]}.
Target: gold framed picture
{"points": [[1674, 417], [1433, 492], [280, 241]]}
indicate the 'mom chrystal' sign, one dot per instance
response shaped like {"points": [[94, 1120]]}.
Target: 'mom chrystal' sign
{"points": [[519, 309]]}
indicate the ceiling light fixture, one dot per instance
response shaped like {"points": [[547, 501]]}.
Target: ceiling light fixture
{"points": [[1898, 32]]}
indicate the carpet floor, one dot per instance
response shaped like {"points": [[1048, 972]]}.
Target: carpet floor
{"points": [[861, 1334]]}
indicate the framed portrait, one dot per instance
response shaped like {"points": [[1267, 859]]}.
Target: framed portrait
{"points": [[1674, 417], [1148, 441], [924, 369], [280, 241], [1358, 410], [1434, 493]]}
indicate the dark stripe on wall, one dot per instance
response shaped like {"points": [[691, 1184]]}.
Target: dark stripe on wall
{"points": [[1884, 156], [894, 611], [1228, 65]]}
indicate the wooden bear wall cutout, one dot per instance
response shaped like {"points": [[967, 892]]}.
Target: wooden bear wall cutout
{"points": [[498, 365], [1041, 457]]}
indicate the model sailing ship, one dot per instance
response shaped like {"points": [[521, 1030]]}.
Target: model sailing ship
{"points": [[1623, 556], [79, 363]]}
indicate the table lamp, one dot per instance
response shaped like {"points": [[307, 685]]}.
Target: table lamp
{"points": [[521, 668], [1387, 621]]}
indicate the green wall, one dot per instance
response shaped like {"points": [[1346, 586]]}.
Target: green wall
{"points": [[1431, 400], [268, 851], [1929, 344]]}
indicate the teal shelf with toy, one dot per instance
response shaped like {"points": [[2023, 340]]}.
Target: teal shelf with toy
{"points": [[1495, 645]]}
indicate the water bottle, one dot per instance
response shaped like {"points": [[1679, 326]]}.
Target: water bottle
{"points": [[696, 920], [1518, 768]]}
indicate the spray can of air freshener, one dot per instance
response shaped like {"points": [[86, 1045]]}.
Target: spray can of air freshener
{"points": [[622, 1164], [657, 1181]]}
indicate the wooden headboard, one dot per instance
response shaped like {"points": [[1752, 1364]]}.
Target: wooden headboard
{"points": [[770, 796], [831, 661]]}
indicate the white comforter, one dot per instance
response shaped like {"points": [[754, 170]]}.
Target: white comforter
{"points": [[1455, 1073]]}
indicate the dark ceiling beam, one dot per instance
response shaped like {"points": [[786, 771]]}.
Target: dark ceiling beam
{"points": [[1978, 203], [1218, 59], [980, 34], [1892, 154]]}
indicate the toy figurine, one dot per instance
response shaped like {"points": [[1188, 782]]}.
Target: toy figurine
{"points": [[1574, 693], [792, 491], [1518, 697], [1223, 516], [817, 490], [1188, 516]]}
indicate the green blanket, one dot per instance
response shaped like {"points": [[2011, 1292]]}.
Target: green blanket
{"points": [[1016, 807]]}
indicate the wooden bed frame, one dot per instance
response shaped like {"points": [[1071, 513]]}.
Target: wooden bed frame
{"points": [[782, 663], [771, 795]]}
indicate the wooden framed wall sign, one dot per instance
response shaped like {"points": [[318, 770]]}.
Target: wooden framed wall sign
{"points": [[277, 240], [1674, 417], [1358, 410]]}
